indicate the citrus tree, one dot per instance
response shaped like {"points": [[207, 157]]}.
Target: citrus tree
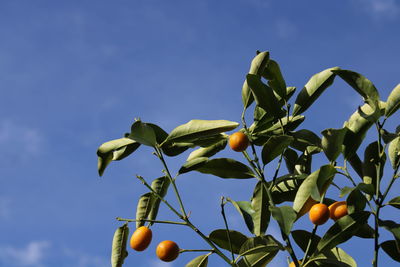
{"points": [[274, 137]]}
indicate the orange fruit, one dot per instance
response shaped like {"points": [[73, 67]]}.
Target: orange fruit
{"points": [[337, 210], [141, 238], [319, 214], [239, 141], [167, 250], [293, 265]]}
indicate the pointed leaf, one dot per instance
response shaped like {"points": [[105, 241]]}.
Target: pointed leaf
{"points": [[395, 202], [356, 201], [159, 185], [200, 261], [306, 140], [342, 230], [332, 141], [220, 238], [286, 187], [226, 168], [336, 257], [301, 237], [208, 151], [193, 164], [199, 128], [313, 89], [313, 187], [275, 79], [290, 156], [392, 227], [285, 216], [303, 164], [261, 215], [393, 101], [275, 147], [244, 208], [118, 251], [391, 248], [114, 150], [143, 133], [371, 162], [394, 152], [143, 208], [259, 251]]}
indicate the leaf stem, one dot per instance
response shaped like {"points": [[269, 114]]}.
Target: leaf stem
{"points": [[309, 244], [226, 226], [147, 220]]}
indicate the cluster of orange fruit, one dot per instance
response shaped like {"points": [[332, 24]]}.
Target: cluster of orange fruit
{"points": [[320, 213], [166, 250]]}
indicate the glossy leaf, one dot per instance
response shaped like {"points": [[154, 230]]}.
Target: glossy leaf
{"points": [[220, 238], [118, 251], [392, 227], [303, 164], [395, 202], [264, 96], [342, 230], [394, 152], [246, 211], [391, 249], [336, 257], [143, 208], [275, 79], [257, 67], [301, 237], [332, 141], [259, 251], [193, 164], [285, 216], [387, 137], [159, 185], [313, 89], [195, 129], [306, 140], [200, 261], [259, 204], [290, 156], [365, 231], [226, 168], [278, 128], [208, 151], [286, 187], [393, 102], [313, 187], [143, 133], [371, 162], [114, 150], [356, 201], [275, 147]]}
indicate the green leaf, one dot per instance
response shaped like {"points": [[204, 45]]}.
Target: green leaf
{"points": [[393, 101], [313, 89], [394, 152], [306, 140], [391, 248], [159, 185], [357, 127], [259, 251], [342, 230], [220, 238], [303, 164], [114, 150], [332, 141], [246, 211], [193, 164], [285, 216], [196, 129], [395, 202], [143, 208], [208, 151], [371, 163], [118, 251], [356, 201], [290, 156], [275, 147], [345, 191], [301, 237], [200, 261], [226, 168], [286, 187], [313, 186], [365, 231], [362, 85], [392, 227], [264, 96], [387, 137], [336, 257], [257, 67], [275, 79], [143, 133], [259, 204]]}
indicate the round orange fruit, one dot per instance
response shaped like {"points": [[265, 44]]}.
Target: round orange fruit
{"points": [[167, 250], [239, 141], [141, 238], [337, 210], [319, 214], [294, 265]]}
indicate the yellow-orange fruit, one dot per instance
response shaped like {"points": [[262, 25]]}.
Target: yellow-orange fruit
{"points": [[293, 265], [167, 250], [319, 214], [141, 238], [337, 210], [239, 141]]}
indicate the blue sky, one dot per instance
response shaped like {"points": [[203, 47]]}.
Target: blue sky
{"points": [[74, 74]]}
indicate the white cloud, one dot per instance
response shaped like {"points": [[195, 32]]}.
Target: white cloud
{"points": [[19, 140], [158, 263], [81, 259], [380, 8], [31, 255]]}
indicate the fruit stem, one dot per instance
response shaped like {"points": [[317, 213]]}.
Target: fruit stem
{"points": [[309, 244], [226, 226], [196, 250], [147, 220]]}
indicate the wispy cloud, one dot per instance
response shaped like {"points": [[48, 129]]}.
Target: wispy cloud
{"points": [[158, 263], [82, 259], [380, 9], [31, 255]]}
